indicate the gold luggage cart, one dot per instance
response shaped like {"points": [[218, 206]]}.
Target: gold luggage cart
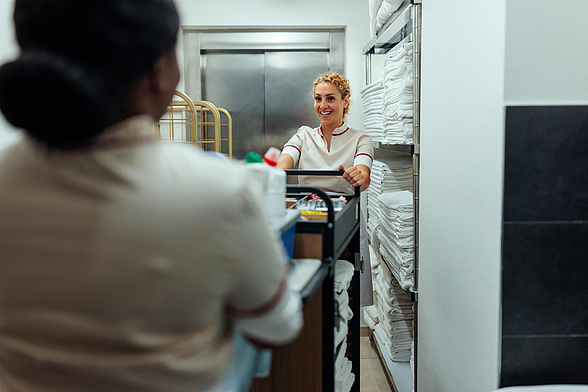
{"points": [[196, 122]]}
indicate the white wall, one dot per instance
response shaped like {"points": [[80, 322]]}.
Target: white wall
{"points": [[546, 52], [462, 140], [8, 50], [353, 14]]}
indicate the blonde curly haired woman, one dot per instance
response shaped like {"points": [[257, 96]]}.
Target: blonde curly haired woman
{"points": [[333, 145]]}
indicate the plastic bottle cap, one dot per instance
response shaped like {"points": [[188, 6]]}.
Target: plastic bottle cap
{"points": [[271, 156], [253, 157]]}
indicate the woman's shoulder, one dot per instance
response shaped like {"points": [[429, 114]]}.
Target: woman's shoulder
{"points": [[359, 133], [213, 170], [306, 129]]}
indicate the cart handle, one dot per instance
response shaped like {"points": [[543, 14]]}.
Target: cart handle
{"points": [[320, 173]]}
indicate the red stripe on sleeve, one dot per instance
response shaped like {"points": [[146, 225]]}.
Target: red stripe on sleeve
{"points": [[368, 155], [237, 313], [291, 145]]}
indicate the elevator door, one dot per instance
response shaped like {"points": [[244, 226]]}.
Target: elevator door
{"points": [[288, 93], [236, 82], [268, 93]]}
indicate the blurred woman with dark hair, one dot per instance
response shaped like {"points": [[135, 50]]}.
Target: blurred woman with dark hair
{"points": [[124, 261]]}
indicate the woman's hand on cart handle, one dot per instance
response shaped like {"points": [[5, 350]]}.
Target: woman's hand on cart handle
{"points": [[357, 176]]}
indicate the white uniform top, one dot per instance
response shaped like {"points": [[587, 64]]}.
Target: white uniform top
{"points": [[119, 262], [349, 147]]}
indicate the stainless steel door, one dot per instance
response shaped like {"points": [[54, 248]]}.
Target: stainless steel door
{"points": [[263, 78], [236, 82], [288, 93]]}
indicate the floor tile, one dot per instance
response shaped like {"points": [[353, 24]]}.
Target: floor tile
{"points": [[372, 375], [366, 350]]}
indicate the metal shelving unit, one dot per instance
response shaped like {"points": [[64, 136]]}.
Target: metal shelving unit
{"points": [[405, 26], [407, 149]]}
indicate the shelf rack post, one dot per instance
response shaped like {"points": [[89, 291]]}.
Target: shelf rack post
{"points": [[416, 72]]}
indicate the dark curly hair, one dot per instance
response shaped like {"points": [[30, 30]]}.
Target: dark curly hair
{"points": [[78, 61]]}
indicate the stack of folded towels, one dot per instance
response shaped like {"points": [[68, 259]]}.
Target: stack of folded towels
{"points": [[394, 313], [380, 13], [398, 95], [370, 313], [385, 178], [371, 97], [344, 379], [396, 234]]}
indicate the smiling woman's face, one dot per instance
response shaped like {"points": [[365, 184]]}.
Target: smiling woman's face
{"points": [[329, 105]]}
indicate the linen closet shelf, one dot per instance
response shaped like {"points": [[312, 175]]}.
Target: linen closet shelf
{"points": [[404, 26]]}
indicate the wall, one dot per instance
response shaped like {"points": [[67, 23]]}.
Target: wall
{"points": [[8, 50], [352, 14], [546, 54], [462, 140], [545, 256]]}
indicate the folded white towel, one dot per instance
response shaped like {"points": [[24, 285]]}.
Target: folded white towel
{"points": [[372, 311], [398, 353], [343, 377], [397, 200], [341, 334], [340, 355], [374, 7], [371, 322], [345, 311], [344, 271], [387, 9]]}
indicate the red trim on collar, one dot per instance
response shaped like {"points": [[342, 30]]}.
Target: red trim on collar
{"points": [[339, 134], [320, 131]]}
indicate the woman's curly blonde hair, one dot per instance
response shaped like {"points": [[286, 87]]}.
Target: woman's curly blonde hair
{"points": [[340, 82]]}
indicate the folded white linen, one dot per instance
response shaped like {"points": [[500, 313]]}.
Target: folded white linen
{"points": [[398, 95], [401, 265], [372, 311], [396, 313], [374, 258], [344, 271], [397, 353], [344, 379], [340, 355], [400, 201], [371, 322], [377, 85], [374, 7], [345, 311], [372, 100], [394, 298], [341, 333], [386, 10]]}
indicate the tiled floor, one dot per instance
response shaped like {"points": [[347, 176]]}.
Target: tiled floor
{"points": [[372, 376]]}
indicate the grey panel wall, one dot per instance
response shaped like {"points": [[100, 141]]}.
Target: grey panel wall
{"points": [[236, 82], [288, 93], [545, 246]]}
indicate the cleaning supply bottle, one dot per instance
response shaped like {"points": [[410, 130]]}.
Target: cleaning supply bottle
{"points": [[271, 156], [271, 180], [253, 157]]}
